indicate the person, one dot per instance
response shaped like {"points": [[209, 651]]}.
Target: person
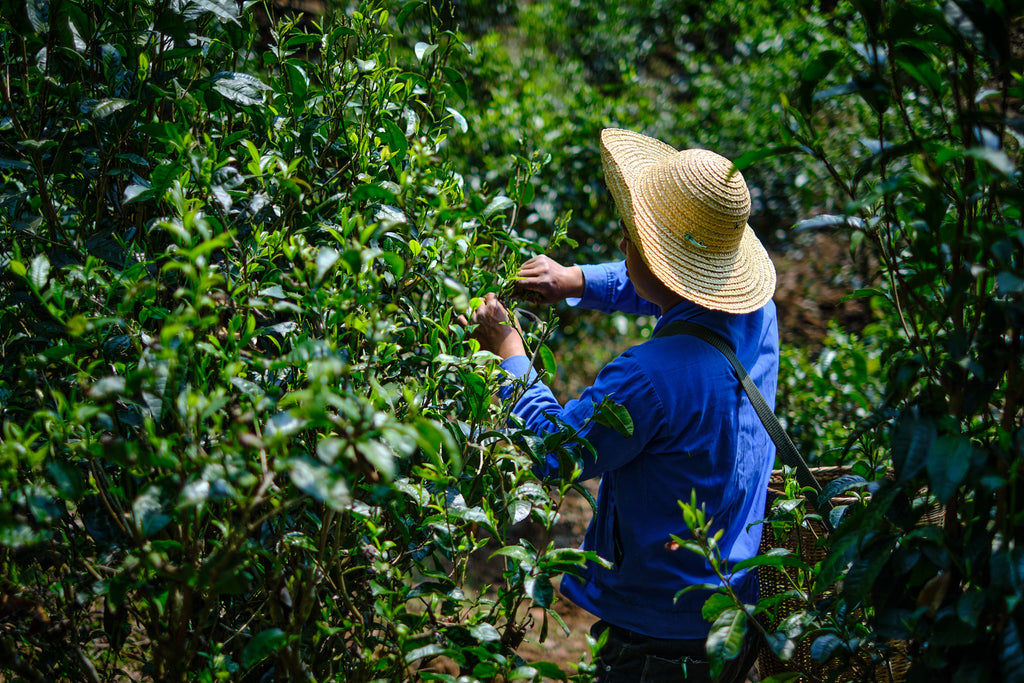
{"points": [[689, 255]]}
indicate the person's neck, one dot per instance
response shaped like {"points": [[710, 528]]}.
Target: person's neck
{"points": [[665, 308], [665, 299]]}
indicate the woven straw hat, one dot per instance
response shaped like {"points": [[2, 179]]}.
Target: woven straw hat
{"points": [[686, 211]]}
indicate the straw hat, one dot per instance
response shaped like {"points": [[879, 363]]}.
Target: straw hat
{"points": [[686, 211]]}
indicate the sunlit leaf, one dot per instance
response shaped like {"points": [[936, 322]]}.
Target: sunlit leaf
{"points": [[39, 273], [431, 650], [996, 158], [240, 87], [38, 15], [498, 204], [547, 359], [484, 633], [424, 50], [148, 512]]}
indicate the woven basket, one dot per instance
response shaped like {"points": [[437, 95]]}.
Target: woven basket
{"points": [[806, 543]]}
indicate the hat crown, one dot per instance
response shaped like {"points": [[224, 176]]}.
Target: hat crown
{"points": [[686, 212], [703, 199]]}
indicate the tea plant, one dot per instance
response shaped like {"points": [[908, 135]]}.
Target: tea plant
{"points": [[242, 434]]}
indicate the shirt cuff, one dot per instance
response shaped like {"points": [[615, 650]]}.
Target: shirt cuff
{"points": [[595, 287]]}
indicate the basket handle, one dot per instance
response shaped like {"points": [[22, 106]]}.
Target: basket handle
{"points": [[783, 444]]}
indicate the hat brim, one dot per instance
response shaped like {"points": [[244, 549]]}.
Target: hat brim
{"points": [[737, 282]]}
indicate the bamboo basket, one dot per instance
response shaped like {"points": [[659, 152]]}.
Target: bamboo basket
{"points": [[806, 543]]}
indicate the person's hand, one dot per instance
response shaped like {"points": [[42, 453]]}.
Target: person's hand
{"points": [[548, 281], [495, 332]]}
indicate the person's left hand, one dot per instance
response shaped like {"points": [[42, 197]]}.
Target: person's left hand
{"points": [[495, 332]]}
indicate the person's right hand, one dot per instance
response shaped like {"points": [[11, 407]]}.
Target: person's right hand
{"points": [[549, 280]]}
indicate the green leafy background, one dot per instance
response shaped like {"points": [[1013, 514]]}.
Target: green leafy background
{"points": [[244, 436]]}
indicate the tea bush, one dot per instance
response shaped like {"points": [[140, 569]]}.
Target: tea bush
{"points": [[242, 435], [920, 579]]}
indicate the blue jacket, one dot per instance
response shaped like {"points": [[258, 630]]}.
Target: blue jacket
{"points": [[694, 430]]}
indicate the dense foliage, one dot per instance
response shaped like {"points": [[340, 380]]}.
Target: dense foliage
{"points": [[922, 575], [243, 436], [241, 431]]}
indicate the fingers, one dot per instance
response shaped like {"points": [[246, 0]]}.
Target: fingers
{"points": [[491, 311], [538, 266], [494, 330], [549, 281]]}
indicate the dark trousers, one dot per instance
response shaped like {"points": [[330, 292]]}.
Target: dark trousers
{"points": [[629, 657]]}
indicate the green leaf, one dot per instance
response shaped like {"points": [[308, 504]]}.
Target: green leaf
{"points": [[223, 9], [725, 641], [996, 158], [262, 646], [824, 647], [239, 87], [396, 262], [320, 482], [460, 120], [813, 73], [379, 455], [373, 191], [11, 163], [457, 82], [1011, 653], [105, 108], [395, 138], [776, 557], [715, 605], [547, 359], [499, 203], [484, 633], [549, 670], [949, 459], [543, 593], [829, 221], [39, 274], [840, 485], [137, 192], [38, 15], [422, 652], [865, 293], [612, 415], [147, 511], [424, 50], [911, 443], [407, 10], [516, 552], [18, 268], [67, 478], [326, 257]]}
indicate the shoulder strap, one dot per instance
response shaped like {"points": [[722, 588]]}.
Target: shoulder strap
{"points": [[783, 444]]}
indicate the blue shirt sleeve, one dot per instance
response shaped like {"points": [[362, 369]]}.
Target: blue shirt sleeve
{"points": [[624, 382], [607, 288]]}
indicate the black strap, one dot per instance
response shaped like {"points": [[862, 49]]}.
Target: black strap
{"points": [[783, 444]]}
